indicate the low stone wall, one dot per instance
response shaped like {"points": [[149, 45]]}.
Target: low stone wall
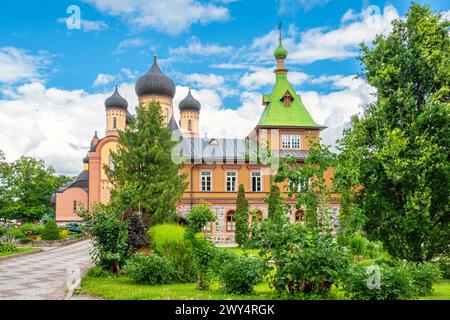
{"points": [[52, 243]]}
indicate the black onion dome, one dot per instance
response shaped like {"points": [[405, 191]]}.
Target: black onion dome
{"points": [[155, 82], [86, 159], [189, 103], [116, 101]]}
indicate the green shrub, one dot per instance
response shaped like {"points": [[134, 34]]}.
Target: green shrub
{"points": [[2, 230], [314, 268], [30, 229], [7, 247], [15, 232], [25, 240], [444, 266], [240, 275], [424, 275], [165, 233], [396, 283], [168, 240], [51, 231], [99, 272], [357, 245], [150, 269]]}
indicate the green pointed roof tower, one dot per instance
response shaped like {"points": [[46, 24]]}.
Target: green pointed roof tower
{"points": [[279, 112]]}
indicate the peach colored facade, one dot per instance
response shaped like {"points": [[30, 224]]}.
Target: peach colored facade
{"points": [[216, 183], [69, 202]]}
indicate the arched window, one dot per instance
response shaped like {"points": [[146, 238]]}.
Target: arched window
{"points": [[114, 123], [189, 125], [300, 216], [230, 219], [257, 216], [111, 163], [75, 206]]}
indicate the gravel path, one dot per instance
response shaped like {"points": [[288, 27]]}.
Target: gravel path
{"points": [[45, 275]]}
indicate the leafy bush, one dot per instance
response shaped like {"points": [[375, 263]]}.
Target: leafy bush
{"points": [[7, 247], [110, 233], [357, 245], [51, 231], [2, 231], [204, 253], [150, 269], [30, 229], [240, 275], [396, 283], [15, 232], [99, 272], [315, 267], [168, 240], [424, 275], [63, 234], [444, 266]]}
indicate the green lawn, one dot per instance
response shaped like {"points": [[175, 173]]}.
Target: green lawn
{"points": [[122, 288], [19, 250], [240, 251]]}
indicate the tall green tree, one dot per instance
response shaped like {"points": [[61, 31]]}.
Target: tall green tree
{"points": [[143, 168], [242, 218], [394, 165], [26, 186], [273, 200]]}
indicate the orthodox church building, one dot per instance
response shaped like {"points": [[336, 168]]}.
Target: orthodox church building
{"points": [[214, 167]]}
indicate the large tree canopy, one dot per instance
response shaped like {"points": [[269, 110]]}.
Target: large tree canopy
{"points": [[26, 186], [398, 150], [144, 176]]}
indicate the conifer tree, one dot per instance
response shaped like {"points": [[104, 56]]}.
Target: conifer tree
{"points": [[143, 167], [242, 217], [274, 200]]}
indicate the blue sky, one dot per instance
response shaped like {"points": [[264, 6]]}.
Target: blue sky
{"points": [[53, 80]]}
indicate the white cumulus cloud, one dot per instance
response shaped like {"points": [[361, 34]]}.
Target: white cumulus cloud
{"points": [[170, 16]]}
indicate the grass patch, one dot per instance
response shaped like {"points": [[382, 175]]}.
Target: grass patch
{"points": [[240, 251], [19, 250], [123, 288], [441, 291]]}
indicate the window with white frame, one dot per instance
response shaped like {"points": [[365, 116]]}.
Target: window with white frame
{"points": [[290, 141], [231, 181], [206, 178], [256, 181], [208, 227], [230, 220]]}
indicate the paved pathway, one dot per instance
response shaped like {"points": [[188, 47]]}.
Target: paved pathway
{"points": [[44, 275]]}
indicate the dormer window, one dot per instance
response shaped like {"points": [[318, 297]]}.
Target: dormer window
{"points": [[287, 99]]}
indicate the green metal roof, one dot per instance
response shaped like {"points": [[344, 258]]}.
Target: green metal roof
{"points": [[277, 114]]}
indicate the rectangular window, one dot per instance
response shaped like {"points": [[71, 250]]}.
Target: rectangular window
{"points": [[208, 227], [75, 206], [290, 141], [256, 182], [231, 181], [206, 178]]}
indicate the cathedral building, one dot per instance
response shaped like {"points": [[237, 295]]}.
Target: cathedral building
{"points": [[214, 167]]}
